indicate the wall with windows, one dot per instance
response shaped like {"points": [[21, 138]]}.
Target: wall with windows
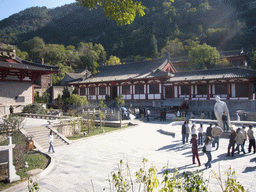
{"points": [[154, 90], [138, 91], [234, 90]]}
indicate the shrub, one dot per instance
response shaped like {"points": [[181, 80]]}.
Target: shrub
{"points": [[179, 119], [147, 180], [34, 108]]}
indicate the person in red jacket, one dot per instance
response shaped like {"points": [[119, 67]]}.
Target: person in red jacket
{"points": [[194, 143]]}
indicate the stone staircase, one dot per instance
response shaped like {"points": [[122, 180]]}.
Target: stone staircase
{"points": [[40, 135]]}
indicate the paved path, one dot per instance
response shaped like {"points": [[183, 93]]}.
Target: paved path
{"points": [[89, 162]]}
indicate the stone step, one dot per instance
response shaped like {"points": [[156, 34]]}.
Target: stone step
{"points": [[40, 136]]}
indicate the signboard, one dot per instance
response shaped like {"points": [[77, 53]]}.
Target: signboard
{"points": [[3, 157]]}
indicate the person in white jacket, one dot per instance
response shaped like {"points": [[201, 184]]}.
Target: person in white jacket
{"points": [[240, 140], [50, 140], [208, 145]]}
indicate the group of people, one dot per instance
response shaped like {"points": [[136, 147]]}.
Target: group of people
{"points": [[186, 131], [163, 115], [237, 140], [197, 139], [142, 112]]}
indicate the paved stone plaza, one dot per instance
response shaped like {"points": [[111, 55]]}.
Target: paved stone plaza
{"points": [[89, 162]]}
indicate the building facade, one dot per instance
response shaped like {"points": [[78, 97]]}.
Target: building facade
{"points": [[158, 80], [17, 79]]}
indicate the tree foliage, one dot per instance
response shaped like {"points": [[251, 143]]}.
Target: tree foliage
{"points": [[113, 60], [77, 100], [203, 57], [173, 47], [121, 11], [91, 55]]}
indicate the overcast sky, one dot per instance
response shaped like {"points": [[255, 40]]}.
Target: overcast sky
{"points": [[9, 7]]}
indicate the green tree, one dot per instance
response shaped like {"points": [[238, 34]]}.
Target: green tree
{"points": [[53, 53], [173, 47], [102, 105], [56, 78], [21, 54], [33, 47], [77, 100], [91, 55], [121, 11], [65, 95], [120, 103], [253, 59], [202, 57], [154, 48], [113, 60]]}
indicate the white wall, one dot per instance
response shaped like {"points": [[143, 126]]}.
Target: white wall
{"points": [[9, 90]]}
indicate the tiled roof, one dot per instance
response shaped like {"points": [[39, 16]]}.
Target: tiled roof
{"points": [[18, 63], [232, 53], [223, 54], [224, 73], [135, 70], [75, 75], [80, 74]]}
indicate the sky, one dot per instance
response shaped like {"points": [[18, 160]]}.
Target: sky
{"points": [[10, 7]]}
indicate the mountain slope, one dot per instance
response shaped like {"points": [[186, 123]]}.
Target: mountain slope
{"points": [[216, 24]]}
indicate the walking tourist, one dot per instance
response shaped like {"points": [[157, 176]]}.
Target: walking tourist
{"points": [[161, 115], [244, 134], [251, 138], [200, 134], [187, 131], [194, 143], [164, 114], [11, 109], [237, 117], [216, 132], [50, 140], [193, 130], [240, 140], [209, 131], [225, 121], [232, 142], [208, 145], [183, 132], [147, 114]]}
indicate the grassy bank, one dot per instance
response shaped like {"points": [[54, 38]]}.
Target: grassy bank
{"points": [[35, 160], [96, 131]]}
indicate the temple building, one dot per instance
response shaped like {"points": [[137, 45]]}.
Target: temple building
{"points": [[158, 80], [17, 80]]}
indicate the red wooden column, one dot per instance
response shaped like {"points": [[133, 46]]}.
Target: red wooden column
{"points": [[228, 90], [33, 90], [162, 90], [96, 92], [208, 87], [132, 93], [146, 94]]}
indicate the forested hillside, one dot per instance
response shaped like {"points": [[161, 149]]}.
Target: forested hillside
{"points": [[172, 27]]}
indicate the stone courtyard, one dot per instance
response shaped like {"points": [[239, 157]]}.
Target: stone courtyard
{"points": [[86, 164]]}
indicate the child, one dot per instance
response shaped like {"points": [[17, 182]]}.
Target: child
{"points": [[194, 143]]}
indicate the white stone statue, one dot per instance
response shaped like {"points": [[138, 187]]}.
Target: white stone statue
{"points": [[219, 108]]}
